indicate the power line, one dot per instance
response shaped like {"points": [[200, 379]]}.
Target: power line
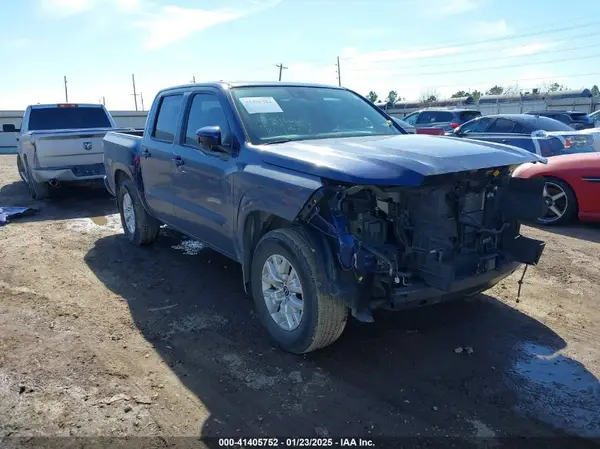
{"points": [[473, 61], [487, 81], [437, 57], [553, 61], [470, 43], [500, 39]]}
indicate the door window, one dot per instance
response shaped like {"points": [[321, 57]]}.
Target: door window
{"points": [[475, 126], [206, 110], [167, 119], [411, 119], [501, 125]]}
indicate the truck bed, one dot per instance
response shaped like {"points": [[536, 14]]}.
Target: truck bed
{"points": [[62, 148]]}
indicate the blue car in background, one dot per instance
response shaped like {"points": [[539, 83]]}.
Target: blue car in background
{"points": [[540, 135]]}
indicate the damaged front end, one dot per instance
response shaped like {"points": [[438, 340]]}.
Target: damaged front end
{"points": [[455, 235]]}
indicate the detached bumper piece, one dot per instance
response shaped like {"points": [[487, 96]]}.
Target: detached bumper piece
{"points": [[525, 250]]}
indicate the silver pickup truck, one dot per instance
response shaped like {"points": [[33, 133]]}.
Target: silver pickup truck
{"points": [[62, 143]]}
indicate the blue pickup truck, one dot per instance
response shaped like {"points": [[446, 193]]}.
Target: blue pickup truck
{"points": [[329, 206]]}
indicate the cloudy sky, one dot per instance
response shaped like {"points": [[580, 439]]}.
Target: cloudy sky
{"points": [[411, 46]]}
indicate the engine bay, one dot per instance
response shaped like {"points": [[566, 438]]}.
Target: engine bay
{"points": [[452, 227]]}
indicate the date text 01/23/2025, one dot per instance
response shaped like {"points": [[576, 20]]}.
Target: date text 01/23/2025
{"points": [[296, 442]]}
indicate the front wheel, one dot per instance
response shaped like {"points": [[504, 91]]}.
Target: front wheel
{"points": [[290, 293], [139, 226], [561, 202]]}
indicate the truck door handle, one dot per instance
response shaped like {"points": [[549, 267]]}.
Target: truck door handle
{"points": [[146, 153], [178, 160]]}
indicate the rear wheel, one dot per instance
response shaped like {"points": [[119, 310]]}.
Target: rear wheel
{"points": [[37, 190], [561, 202], [139, 226], [290, 293]]}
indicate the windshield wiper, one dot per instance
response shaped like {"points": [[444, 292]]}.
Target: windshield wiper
{"points": [[278, 141]]}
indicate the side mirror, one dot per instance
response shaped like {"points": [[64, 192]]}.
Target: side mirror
{"points": [[209, 136], [457, 132], [9, 128]]}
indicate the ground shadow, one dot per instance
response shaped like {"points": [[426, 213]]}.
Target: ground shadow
{"points": [[579, 230], [66, 203], [400, 376]]}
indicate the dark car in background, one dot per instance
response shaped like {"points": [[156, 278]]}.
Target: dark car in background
{"points": [[575, 119], [446, 118], [540, 135]]}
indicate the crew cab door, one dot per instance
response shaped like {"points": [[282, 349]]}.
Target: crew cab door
{"points": [[203, 188], [156, 158]]}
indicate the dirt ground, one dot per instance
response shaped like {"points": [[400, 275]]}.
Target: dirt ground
{"points": [[99, 338]]}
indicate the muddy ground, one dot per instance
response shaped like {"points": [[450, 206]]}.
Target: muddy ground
{"points": [[98, 338]]}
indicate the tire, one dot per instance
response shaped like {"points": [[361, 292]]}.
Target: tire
{"points": [[37, 190], [145, 229], [568, 203], [21, 169], [323, 316]]}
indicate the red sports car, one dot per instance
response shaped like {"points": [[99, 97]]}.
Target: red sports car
{"points": [[572, 186]]}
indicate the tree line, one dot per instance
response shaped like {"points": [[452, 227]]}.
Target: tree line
{"points": [[432, 95]]}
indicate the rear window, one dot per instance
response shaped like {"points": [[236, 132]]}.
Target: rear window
{"points": [[549, 124], [434, 117], [580, 117], [465, 116], [67, 118]]}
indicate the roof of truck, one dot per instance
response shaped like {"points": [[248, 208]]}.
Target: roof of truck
{"points": [[230, 84], [65, 105]]}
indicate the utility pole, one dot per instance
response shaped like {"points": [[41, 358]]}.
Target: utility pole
{"points": [[142, 100], [281, 68], [66, 91], [194, 79], [339, 73], [134, 92]]}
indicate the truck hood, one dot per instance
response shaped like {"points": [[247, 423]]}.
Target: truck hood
{"points": [[391, 160]]}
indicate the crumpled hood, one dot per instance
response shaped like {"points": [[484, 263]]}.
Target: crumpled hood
{"points": [[391, 160]]}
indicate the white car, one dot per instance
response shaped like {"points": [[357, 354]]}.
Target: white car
{"points": [[62, 143]]}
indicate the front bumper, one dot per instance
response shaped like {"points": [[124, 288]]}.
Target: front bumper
{"points": [[71, 173], [421, 295]]}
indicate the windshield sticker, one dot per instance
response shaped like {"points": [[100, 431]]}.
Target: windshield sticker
{"points": [[260, 105]]}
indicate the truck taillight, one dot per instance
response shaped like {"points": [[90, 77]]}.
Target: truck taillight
{"points": [[66, 105], [454, 125]]}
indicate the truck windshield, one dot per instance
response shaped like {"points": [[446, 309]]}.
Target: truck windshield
{"points": [[281, 113], [41, 119]]}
